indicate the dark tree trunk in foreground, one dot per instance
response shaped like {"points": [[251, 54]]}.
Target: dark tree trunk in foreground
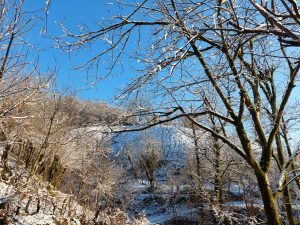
{"points": [[270, 205]]}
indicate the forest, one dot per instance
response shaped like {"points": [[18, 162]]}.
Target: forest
{"points": [[202, 129]]}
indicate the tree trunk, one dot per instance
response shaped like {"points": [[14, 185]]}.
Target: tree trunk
{"points": [[218, 195], [152, 181], [197, 148], [286, 191], [270, 206], [288, 148], [288, 205]]}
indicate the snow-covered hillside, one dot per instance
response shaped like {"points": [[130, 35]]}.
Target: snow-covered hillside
{"points": [[176, 142]]}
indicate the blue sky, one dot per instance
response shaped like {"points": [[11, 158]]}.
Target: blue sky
{"points": [[74, 12]]}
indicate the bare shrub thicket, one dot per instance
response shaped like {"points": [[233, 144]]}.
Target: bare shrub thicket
{"points": [[91, 113], [48, 145], [91, 175], [20, 79]]}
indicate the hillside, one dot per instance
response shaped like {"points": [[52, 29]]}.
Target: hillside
{"points": [[175, 196]]}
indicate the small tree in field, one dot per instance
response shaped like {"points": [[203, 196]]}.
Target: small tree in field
{"points": [[149, 160], [144, 157]]}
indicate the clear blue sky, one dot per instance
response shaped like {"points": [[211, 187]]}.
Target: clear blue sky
{"points": [[74, 12]]}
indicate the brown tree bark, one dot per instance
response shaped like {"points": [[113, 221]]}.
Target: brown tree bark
{"points": [[270, 206], [218, 195], [286, 191]]}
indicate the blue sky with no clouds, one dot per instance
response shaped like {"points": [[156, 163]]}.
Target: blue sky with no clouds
{"points": [[72, 13]]}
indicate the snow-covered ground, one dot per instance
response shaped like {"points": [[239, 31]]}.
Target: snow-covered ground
{"points": [[28, 200], [28, 195]]}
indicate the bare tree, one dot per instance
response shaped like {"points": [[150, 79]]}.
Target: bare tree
{"points": [[149, 158], [191, 45], [20, 80], [279, 18]]}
